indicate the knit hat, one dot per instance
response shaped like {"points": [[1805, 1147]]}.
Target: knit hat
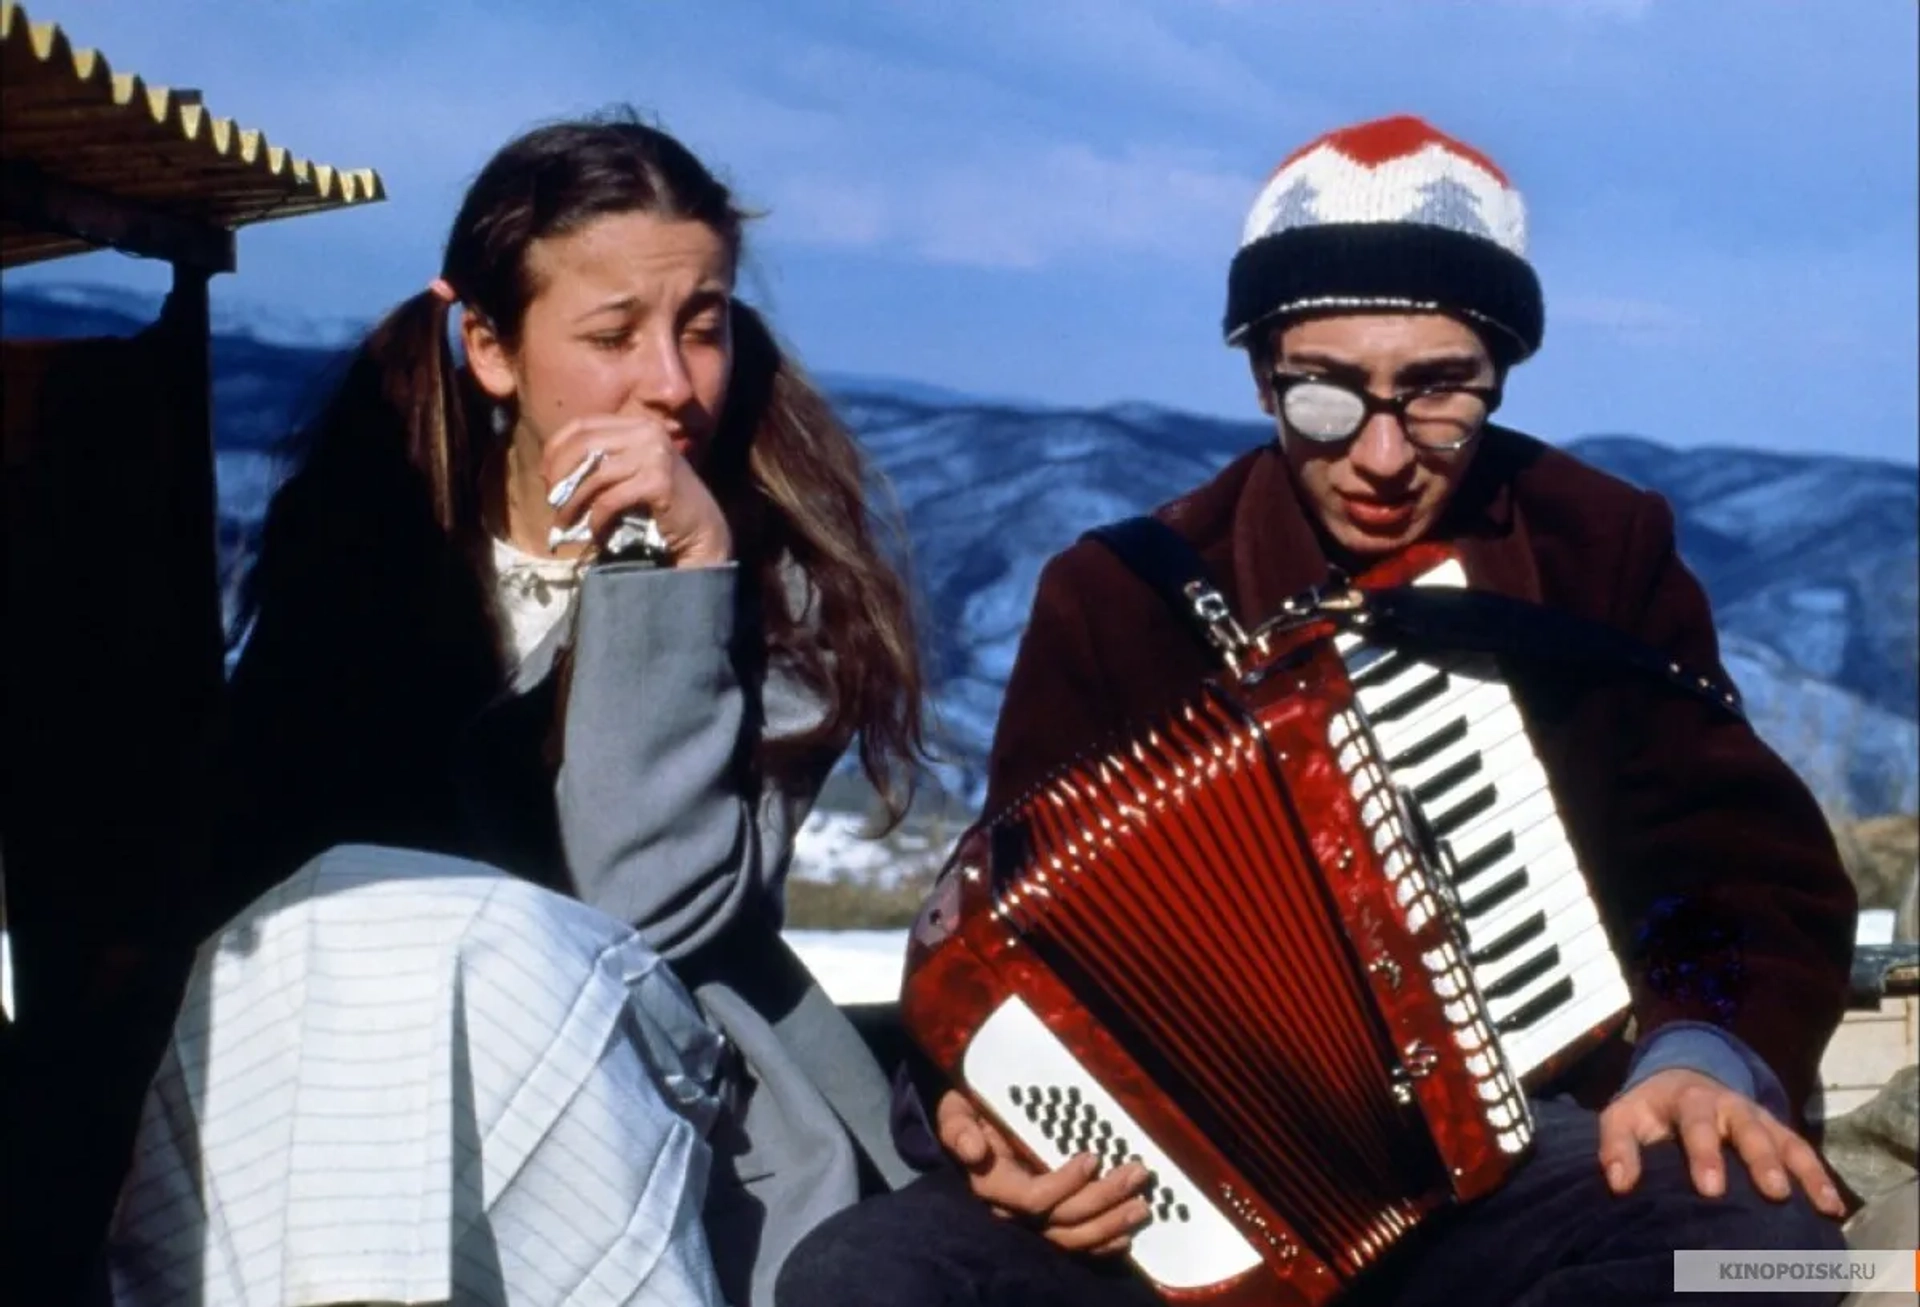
{"points": [[1390, 214]]}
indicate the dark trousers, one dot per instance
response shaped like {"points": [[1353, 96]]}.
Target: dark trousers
{"points": [[1553, 1236]]}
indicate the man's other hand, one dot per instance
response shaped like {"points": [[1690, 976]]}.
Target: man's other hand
{"points": [[1704, 1115]]}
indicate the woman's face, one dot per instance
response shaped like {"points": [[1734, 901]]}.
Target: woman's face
{"points": [[628, 318]]}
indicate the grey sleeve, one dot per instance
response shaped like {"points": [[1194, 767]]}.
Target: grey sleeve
{"points": [[660, 822]]}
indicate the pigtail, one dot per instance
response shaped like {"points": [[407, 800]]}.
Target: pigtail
{"points": [[423, 386], [371, 635]]}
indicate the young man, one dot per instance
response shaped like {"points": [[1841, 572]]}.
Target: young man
{"points": [[1382, 293]]}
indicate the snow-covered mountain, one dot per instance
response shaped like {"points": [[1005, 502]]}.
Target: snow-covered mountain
{"points": [[1812, 562]]}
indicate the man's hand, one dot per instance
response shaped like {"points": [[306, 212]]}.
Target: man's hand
{"points": [[1705, 1115], [1069, 1205]]}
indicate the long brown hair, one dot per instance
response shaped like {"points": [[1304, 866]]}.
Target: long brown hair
{"points": [[791, 479]]}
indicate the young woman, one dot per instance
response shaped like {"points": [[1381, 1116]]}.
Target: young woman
{"points": [[601, 607]]}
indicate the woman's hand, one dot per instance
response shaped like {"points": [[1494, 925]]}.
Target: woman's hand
{"points": [[633, 465], [1069, 1205]]}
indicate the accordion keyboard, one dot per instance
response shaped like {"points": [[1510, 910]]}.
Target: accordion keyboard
{"points": [[1454, 741]]}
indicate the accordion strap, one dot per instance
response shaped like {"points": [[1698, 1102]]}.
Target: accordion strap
{"points": [[1438, 617]]}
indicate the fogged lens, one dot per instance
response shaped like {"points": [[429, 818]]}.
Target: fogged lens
{"points": [[1320, 411]]}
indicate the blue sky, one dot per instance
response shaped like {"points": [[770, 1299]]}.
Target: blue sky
{"points": [[1038, 198]]}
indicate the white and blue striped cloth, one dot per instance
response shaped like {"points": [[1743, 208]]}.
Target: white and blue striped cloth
{"points": [[405, 1079]]}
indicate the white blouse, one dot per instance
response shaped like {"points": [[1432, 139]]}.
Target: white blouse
{"points": [[534, 592]]}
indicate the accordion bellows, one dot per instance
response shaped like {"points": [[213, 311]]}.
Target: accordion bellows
{"points": [[1232, 946]]}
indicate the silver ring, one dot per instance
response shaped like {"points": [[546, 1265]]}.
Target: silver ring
{"points": [[561, 493], [577, 534], [638, 537]]}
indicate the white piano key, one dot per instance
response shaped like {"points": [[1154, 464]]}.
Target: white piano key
{"points": [[1414, 771], [1409, 693], [1576, 926], [1580, 938], [1510, 758], [1524, 799], [1491, 972], [1540, 835], [1540, 979], [1554, 887], [1502, 762], [1599, 993], [1485, 897], [1485, 707], [1576, 954], [1480, 854]]}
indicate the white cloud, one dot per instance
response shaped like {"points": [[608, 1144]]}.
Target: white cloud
{"points": [[1030, 204], [817, 210], [1628, 318], [1629, 11], [1136, 45]]}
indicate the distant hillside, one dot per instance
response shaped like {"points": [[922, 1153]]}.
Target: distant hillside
{"points": [[1812, 562]]}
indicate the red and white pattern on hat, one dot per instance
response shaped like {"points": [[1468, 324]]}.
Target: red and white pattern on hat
{"points": [[1392, 170]]}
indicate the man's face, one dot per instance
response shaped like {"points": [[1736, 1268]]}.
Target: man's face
{"points": [[1383, 488]]}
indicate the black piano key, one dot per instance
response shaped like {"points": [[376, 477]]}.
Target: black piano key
{"points": [[1465, 811], [1485, 856], [1530, 928], [1444, 781], [1411, 700], [1373, 664], [1495, 894], [1414, 755], [1552, 997], [1525, 974]]}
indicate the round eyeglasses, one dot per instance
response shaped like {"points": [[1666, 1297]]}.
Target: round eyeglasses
{"points": [[1439, 418]]}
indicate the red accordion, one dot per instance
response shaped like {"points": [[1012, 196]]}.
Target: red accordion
{"points": [[1233, 948]]}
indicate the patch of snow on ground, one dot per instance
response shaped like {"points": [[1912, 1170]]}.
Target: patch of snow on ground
{"points": [[854, 966], [835, 846]]}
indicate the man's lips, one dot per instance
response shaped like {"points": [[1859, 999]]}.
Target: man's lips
{"points": [[1377, 514]]}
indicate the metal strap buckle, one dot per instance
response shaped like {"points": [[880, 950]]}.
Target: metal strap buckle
{"points": [[1223, 631], [1315, 604]]}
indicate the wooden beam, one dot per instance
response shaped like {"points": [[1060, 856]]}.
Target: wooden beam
{"points": [[31, 198], [187, 321]]}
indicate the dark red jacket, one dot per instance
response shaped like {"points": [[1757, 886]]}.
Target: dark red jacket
{"points": [[1667, 802]]}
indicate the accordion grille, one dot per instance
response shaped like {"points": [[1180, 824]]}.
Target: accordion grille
{"points": [[1236, 989]]}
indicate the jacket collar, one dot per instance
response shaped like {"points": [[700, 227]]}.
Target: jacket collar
{"points": [[1277, 551]]}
